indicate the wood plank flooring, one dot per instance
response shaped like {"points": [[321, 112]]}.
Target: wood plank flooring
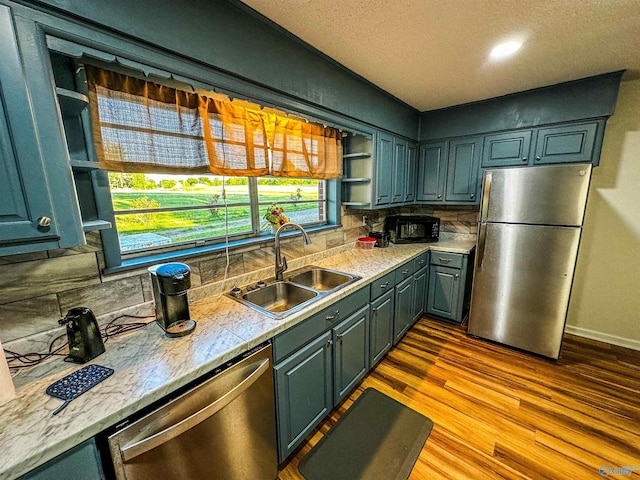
{"points": [[499, 413]]}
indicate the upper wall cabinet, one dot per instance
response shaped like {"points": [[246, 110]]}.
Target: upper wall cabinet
{"points": [[29, 219], [38, 209], [379, 171], [579, 142], [25, 210], [449, 171]]}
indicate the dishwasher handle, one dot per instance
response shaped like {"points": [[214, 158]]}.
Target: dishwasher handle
{"points": [[129, 452]]}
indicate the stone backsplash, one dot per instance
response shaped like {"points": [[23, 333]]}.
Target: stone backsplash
{"points": [[38, 289]]}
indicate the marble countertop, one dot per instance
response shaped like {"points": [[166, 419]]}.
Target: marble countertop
{"points": [[149, 365]]}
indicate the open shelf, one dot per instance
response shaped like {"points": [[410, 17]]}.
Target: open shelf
{"points": [[93, 225], [71, 103], [84, 164]]}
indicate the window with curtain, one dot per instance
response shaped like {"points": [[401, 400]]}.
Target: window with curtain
{"points": [[190, 170]]}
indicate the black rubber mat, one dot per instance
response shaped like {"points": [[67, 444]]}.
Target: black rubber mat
{"points": [[378, 438]]}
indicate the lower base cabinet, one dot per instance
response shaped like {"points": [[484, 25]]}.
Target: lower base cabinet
{"points": [[449, 289], [304, 392], [381, 328], [318, 376], [403, 309], [82, 462]]}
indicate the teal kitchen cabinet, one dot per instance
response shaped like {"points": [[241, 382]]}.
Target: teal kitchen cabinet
{"points": [[411, 168], [568, 143], [449, 172], [432, 172], [38, 205], [399, 171], [420, 281], [316, 363], [463, 170], [402, 317], [81, 462], [449, 286], [304, 392], [25, 210], [384, 160], [507, 149], [381, 322], [351, 353]]}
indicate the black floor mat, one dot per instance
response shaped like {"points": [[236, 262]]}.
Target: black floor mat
{"points": [[378, 438]]}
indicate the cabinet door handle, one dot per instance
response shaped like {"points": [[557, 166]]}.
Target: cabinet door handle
{"points": [[329, 343], [538, 158], [339, 336], [333, 317], [456, 276], [472, 195], [524, 159], [444, 260], [439, 195], [374, 310], [384, 285]]}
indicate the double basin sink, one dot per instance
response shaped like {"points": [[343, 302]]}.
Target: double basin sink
{"points": [[299, 289]]}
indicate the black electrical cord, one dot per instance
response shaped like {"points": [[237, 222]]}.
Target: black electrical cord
{"points": [[111, 329]]}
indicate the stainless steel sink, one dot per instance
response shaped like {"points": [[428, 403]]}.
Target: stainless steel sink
{"points": [[278, 299], [322, 279]]}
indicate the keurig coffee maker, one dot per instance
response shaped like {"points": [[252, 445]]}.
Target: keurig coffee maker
{"points": [[170, 283]]}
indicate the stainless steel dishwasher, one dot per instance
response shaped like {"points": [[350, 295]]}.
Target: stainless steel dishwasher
{"points": [[223, 428]]}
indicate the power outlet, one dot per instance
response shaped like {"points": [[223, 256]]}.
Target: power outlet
{"points": [[365, 220]]}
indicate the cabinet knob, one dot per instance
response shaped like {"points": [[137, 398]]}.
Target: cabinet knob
{"points": [[472, 195], [44, 222], [339, 336], [456, 276], [439, 195], [420, 262], [524, 159], [405, 273], [384, 285], [538, 158], [329, 342]]}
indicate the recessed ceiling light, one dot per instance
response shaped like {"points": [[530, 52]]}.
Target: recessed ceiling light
{"points": [[505, 49]]}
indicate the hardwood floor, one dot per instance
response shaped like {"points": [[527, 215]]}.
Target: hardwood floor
{"points": [[499, 413]]}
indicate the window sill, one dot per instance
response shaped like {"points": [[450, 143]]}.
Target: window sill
{"points": [[147, 261]]}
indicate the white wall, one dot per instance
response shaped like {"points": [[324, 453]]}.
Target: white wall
{"points": [[605, 302]]}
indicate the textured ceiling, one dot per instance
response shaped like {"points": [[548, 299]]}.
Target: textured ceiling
{"points": [[434, 53]]}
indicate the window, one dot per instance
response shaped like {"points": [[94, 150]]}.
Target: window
{"points": [[156, 212]]}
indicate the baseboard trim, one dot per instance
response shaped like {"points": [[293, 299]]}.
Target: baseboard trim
{"points": [[603, 337]]}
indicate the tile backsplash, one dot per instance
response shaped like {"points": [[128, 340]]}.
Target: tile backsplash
{"points": [[38, 289]]}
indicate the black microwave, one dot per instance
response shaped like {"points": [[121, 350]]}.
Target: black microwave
{"points": [[412, 228]]}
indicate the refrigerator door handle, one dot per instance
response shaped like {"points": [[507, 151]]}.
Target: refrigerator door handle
{"points": [[484, 212], [486, 191], [482, 240]]}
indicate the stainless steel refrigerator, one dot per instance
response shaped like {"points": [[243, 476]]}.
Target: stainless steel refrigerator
{"points": [[528, 238]]}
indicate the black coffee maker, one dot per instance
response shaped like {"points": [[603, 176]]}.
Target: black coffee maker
{"points": [[170, 282], [83, 334]]}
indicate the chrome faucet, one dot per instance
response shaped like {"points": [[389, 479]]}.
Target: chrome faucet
{"points": [[281, 262]]}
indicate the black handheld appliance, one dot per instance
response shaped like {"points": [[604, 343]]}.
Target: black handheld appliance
{"points": [[83, 333]]}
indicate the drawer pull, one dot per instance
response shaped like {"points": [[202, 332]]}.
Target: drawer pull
{"points": [[333, 317], [384, 285], [405, 273], [339, 336], [421, 262], [329, 342], [444, 260]]}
